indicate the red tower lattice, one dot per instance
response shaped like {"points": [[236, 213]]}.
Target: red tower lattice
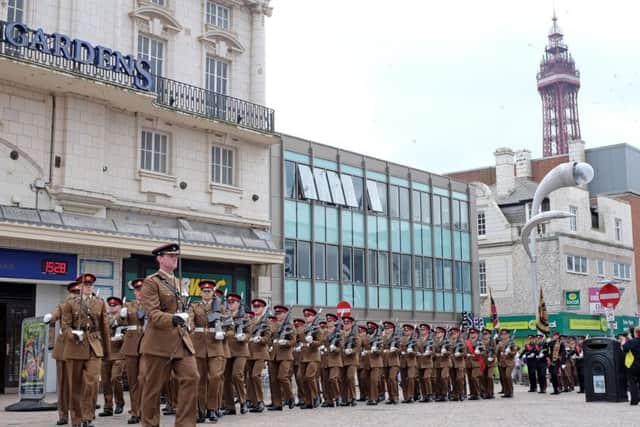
{"points": [[558, 84]]}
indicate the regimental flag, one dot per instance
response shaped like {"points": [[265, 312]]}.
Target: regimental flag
{"points": [[494, 312], [542, 317]]}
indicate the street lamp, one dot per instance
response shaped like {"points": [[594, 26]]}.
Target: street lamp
{"points": [[564, 175]]}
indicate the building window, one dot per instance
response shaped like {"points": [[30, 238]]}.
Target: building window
{"points": [[318, 261], [482, 276], [621, 271], [15, 11], [218, 15], [358, 265], [573, 220], [372, 267], [482, 224], [576, 264], [304, 260], [383, 268], [347, 265], [600, 267], [217, 75], [290, 258], [332, 263], [152, 50], [158, 2], [222, 162], [154, 152], [618, 229], [290, 188]]}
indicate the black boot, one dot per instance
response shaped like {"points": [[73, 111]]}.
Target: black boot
{"points": [[275, 408], [107, 412], [243, 408], [211, 414], [118, 410], [372, 403], [229, 411], [291, 403], [200, 419], [133, 420], [258, 407], [62, 422]]}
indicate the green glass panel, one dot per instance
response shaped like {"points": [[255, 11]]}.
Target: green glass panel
{"points": [[347, 294], [466, 302], [383, 298], [420, 186], [372, 232], [377, 176], [290, 219], [426, 240], [465, 246], [359, 297], [304, 292], [333, 294], [332, 225], [419, 301], [397, 298], [459, 306], [351, 170], [319, 228], [407, 303], [448, 302], [358, 230], [457, 245], [446, 243], [373, 297], [417, 239], [326, 164], [395, 235], [290, 292], [320, 294], [399, 181], [460, 196], [297, 157], [437, 231], [304, 221], [428, 300], [383, 233], [440, 302], [441, 191], [405, 237], [347, 232]]}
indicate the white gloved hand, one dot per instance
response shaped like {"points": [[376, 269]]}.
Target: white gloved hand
{"points": [[409, 350], [393, 349], [457, 354], [219, 336], [477, 351], [332, 348], [47, 318], [241, 337], [564, 366], [322, 348], [183, 316], [490, 359], [123, 312], [402, 353], [348, 351], [117, 337], [79, 334], [308, 339], [507, 351], [257, 340], [282, 342], [444, 351]]}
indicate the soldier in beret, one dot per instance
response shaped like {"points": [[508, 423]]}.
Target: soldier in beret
{"points": [[408, 362], [234, 380], [506, 353], [260, 337], [391, 357], [364, 369], [350, 361], [113, 366], [332, 342], [310, 359]]}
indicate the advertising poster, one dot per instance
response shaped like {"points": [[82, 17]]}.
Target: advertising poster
{"points": [[33, 358]]}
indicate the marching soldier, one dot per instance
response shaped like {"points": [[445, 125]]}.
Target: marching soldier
{"points": [[475, 362], [323, 370], [364, 369], [297, 356], [374, 348], [208, 341], [408, 362], [86, 331], [425, 363], [491, 360], [506, 352], [350, 361], [166, 346], [391, 359], [274, 387], [579, 361], [133, 316], [541, 363], [459, 362], [333, 349], [258, 348], [567, 370], [284, 338], [442, 363], [530, 353], [310, 359], [113, 366], [557, 360], [62, 380], [234, 371]]}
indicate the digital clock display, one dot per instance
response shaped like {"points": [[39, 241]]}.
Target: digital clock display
{"points": [[55, 268]]}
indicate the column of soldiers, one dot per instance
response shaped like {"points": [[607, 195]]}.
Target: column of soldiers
{"points": [[209, 356]]}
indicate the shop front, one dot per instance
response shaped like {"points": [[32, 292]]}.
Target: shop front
{"points": [[24, 275]]}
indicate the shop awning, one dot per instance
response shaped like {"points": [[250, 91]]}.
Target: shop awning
{"points": [[139, 233]]}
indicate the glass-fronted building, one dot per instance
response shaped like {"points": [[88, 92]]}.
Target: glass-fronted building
{"points": [[393, 241]]}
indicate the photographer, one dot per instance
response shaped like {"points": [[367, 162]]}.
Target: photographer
{"points": [[633, 371]]}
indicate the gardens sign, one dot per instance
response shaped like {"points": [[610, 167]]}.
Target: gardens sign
{"points": [[572, 300]]}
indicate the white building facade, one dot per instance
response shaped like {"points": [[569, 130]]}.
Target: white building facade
{"points": [[575, 255], [123, 125]]}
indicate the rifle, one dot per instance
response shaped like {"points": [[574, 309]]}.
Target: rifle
{"points": [[261, 327], [428, 347], [214, 317], [239, 320], [374, 339], [397, 333], [286, 329], [313, 329], [351, 339], [334, 338], [412, 340]]}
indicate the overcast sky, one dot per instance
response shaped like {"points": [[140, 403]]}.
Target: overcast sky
{"points": [[439, 85]]}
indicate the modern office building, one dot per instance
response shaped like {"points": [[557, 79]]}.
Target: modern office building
{"points": [[124, 125], [393, 241]]}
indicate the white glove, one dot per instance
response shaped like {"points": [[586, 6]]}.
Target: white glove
{"points": [[564, 366], [332, 348], [79, 334], [427, 353], [402, 353], [282, 342], [322, 348], [573, 356], [47, 318], [348, 351], [308, 339], [219, 336], [117, 337], [257, 340], [507, 351], [477, 351], [457, 354], [393, 349], [409, 350], [374, 350], [241, 337], [490, 359], [183, 316], [123, 312], [444, 351]]}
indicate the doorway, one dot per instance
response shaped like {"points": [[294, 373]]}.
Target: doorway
{"points": [[17, 302]]}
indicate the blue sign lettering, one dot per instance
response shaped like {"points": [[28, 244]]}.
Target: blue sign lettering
{"points": [[81, 51]]}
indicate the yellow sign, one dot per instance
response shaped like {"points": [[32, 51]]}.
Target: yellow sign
{"points": [[519, 325], [584, 324]]}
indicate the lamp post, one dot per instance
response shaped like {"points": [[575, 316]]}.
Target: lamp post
{"points": [[564, 175]]}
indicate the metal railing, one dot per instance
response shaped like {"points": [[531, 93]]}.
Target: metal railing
{"points": [[169, 93]]}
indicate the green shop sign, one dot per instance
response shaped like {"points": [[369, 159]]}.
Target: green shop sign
{"points": [[572, 300]]}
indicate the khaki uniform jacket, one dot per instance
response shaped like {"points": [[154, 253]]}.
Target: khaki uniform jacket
{"points": [[311, 351], [460, 360], [116, 346], [131, 344], [283, 352], [334, 358], [352, 359], [506, 360], [472, 358], [407, 360], [56, 316], [441, 361], [390, 358], [96, 340], [204, 343], [238, 348], [161, 338], [425, 361], [376, 360], [260, 350], [489, 354], [363, 342], [297, 355]]}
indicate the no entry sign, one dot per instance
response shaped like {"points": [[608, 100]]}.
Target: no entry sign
{"points": [[343, 309], [609, 295]]}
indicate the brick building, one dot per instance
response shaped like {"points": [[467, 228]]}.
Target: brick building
{"points": [[124, 125]]}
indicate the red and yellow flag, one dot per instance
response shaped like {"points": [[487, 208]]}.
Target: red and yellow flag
{"points": [[494, 312], [542, 317]]}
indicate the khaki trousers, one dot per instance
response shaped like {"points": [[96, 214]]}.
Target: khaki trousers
{"points": [[284, 382], [374, 381], [135, 385], [254, 383], [349, 383], [234, 382], [391, 374], [274, 387], [156, 371], [112, 383], [62, 383], [310, 387], [83, 377]]}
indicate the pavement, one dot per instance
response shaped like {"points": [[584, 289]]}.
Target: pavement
{"points": [[525, 409]]}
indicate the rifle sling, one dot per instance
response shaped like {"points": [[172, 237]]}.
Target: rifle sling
{"points": [[173, 290]]}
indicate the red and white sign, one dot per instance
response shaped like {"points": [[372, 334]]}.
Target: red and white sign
{"points": [[343, 309], [609, 295]]}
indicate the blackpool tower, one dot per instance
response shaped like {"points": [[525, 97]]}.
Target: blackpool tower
{"points": [[558, 84]]}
